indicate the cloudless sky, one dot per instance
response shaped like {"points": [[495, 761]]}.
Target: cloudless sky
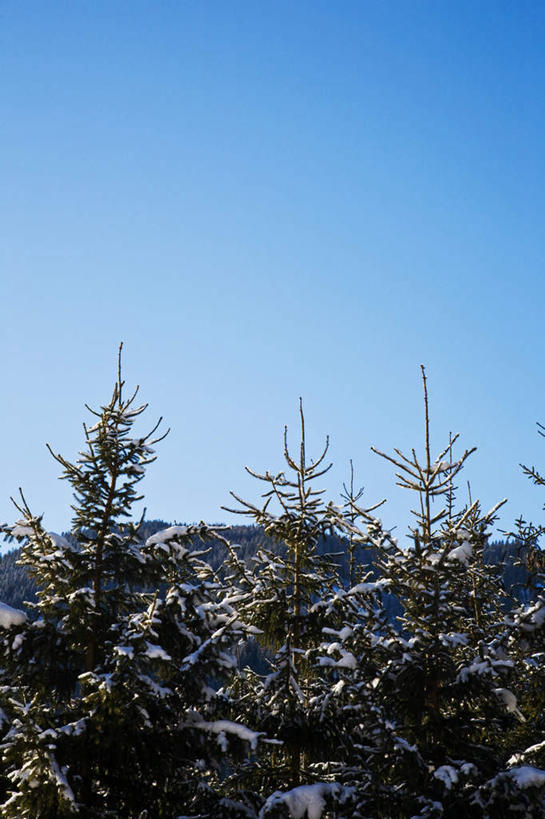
{"points": [[268, 200]]}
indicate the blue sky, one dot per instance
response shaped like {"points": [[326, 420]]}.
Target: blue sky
{"points": [[268, 200]]}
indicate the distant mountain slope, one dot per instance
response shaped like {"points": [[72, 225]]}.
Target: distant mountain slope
{"points": [[16, 587]]}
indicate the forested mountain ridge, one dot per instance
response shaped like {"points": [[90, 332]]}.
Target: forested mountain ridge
{"points": [[403, 679], [17, 587]]}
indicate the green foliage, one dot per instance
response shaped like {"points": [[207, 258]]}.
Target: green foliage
{"points": [[433, 693], [382, 682], [278, 594], [109, 684]]}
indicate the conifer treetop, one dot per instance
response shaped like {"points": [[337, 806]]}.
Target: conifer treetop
{"points": [[431, 479]]}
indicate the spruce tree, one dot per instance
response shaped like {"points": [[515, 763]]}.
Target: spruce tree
{"points": [[447, 683], [350, 658], [111, 688], [280, 595], [528, 641], [441, 700]]}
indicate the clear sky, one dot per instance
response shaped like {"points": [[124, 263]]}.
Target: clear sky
{"points": [[268, 200]]}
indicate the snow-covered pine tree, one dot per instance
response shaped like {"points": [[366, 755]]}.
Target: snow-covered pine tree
{"points": [[528, 642], [279, 594], [110, 688], [349, 658], [444, 676]]}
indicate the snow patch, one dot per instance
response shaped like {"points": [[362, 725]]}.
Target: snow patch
{"points": [[306, 801], [448, 775], [528, 777], [11, 617], [510, 702], [21, 530], [155, 652], [347, 659], [59, 541], [463, 553], [124, 651], [516, 759], [221, 727], [167, 534]]}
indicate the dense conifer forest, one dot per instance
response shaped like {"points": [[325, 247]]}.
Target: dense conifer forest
{"points": [[304, 665], [17, 584]]}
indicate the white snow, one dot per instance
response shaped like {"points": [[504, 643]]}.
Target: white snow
{"points": [[343, 634], [463, 553], [21, 530], [166, 539], [338, 687], [533, 616], [221, 727], [448, 775], [347, 659], [306, 801], [59, 541], [486, 666], [125, 651], [167, 534], [453, 639], [155, 652], [528, 777], [402, 744], [60, 775], [533, 749], [510, 702], [73, 728], [538, 616], [11, 617]]}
